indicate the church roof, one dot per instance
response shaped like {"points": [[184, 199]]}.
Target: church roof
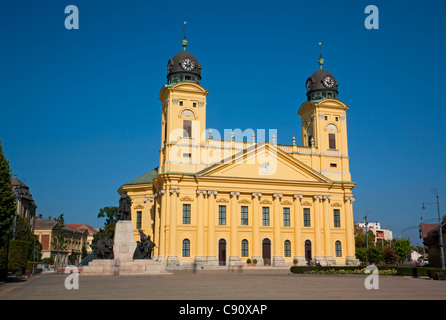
{"points": [[145, 178]]}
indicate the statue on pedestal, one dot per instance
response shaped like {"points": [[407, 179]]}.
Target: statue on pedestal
{"points": [[125, 203], [144, 247]]}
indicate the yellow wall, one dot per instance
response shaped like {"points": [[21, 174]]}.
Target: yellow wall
{"points": [[299, 177]]}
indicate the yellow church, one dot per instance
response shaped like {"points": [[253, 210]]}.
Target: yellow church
{"points": [[219, 202]]}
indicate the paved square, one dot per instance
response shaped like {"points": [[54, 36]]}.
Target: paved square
{"points": [[224, 285]]}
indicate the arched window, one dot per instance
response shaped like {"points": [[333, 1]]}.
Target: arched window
{"points": [[245, 252], [287, 248], [187, 113], [338, 248], [186, 248]]}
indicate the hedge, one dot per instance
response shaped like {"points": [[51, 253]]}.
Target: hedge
{"points": [[388, 270]]}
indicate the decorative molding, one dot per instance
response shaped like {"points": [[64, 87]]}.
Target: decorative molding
{"points": [[265, 202], [139, 206], [336, 204], [286, 202], [160, 193], [244, 201], [222, 200], [186, 198], [307, 203]]}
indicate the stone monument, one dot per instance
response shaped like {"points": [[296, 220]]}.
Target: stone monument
{"points": [[124, 256]]}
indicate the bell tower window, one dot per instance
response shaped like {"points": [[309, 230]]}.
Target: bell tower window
{"points": [[187, 128], [331, 141]]}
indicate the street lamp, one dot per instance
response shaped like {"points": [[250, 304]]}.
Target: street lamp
{"points": [[434, 191], [18, 189]]}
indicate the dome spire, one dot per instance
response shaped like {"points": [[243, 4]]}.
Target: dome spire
{"points": [[320, 61], [184, 43]]}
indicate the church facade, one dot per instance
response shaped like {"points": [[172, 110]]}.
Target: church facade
{"points": [[220, 202]]}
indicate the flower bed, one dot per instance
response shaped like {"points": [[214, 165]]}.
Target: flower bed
{"points": [[382, 270]]}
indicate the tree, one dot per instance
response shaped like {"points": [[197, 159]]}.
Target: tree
{"points": [[7, 210], [402, 248], [361, 254], [374, 254], [111, 215], [360, 238], [389, 255], [59, 241]]}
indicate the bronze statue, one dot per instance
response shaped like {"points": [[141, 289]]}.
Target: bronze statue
{"points": [[144, 247], [125, 202], [105, 248]]}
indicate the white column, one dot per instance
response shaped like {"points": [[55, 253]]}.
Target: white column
{"points": [[211, 258], [278, 260], [172, 258], [298, 241], [256, 245], [199, 257], [234, 258]]}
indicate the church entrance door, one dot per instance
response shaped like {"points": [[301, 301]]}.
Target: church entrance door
{"points": [[222, 252], [308, 250], [266, 250]]}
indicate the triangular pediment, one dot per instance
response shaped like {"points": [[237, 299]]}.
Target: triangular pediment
{"points": [[264, 161]]}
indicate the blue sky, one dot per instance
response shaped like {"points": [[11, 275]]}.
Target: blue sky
{"points": [[80, 114]]}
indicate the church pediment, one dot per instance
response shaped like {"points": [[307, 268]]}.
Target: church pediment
{"points": [[264, 161]]}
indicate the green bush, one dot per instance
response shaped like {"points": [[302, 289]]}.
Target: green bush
{"points": [[383, 270], [19, 251]]}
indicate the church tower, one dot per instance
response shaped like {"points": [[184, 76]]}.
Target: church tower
{"points": [[324, 125], [183, 113]]}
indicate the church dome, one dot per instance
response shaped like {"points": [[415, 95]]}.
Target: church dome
{"points": [[183, 67], [321, 85]]}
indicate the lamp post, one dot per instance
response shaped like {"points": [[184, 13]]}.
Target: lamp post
{"points": [[18, 189], [434, 191]]}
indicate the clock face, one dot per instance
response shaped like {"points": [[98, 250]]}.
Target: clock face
{"points": [[265, 167], [329, 82], [188, 64], [308, 84]]}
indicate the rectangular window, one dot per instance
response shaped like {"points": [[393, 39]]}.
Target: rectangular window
{"points": [[244, 216], [331, 141], [186, 213], [265, 216], [187, 128], [286, 217], [222, 215], [307, 217], [138, 219], [337, 218]]}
